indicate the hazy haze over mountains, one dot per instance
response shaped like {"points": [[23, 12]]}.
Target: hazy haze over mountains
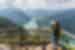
{"points": [[66, 17]]}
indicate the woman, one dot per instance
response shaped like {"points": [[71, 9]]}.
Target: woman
{"points": [[56, 33]]}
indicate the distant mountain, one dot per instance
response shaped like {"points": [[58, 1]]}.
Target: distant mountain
{"points": [[16, 15], [41, 12], [68, 19], [5, 22], [19, 16], [65, 17], [43, 17]]}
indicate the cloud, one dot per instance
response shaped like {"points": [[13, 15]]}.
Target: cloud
{"points": [[33, 4], [6, 3], [24, 4], [62, 4], [2, 3], [56, 4], [70, 4]]}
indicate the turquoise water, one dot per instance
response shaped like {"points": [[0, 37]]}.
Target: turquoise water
{"points": [[70, 39]]}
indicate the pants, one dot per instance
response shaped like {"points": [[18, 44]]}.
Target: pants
{"points": [[56, 43]]}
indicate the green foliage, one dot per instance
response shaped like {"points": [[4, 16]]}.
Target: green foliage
{"points": [[36, 38], [4, 21]]}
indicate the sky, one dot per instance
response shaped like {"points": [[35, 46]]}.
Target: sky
{"points": [[69, 4], [34, 4]]}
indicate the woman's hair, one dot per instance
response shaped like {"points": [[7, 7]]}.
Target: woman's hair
{"points": [[57, 25], [57, 29]]}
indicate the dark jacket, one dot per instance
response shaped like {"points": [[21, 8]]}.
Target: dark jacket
{"points": [[57, 30]]}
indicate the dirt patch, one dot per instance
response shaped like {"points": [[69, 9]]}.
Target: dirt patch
{"points": [[30, 47]]}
